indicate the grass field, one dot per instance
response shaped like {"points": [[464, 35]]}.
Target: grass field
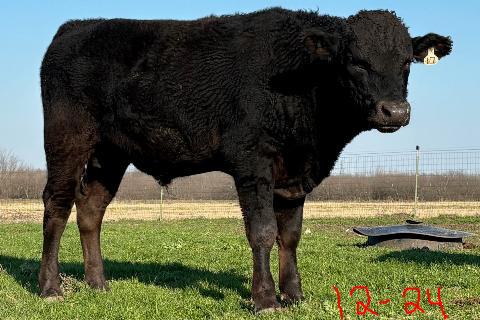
{"points": [[201, 268], [32, 210]]}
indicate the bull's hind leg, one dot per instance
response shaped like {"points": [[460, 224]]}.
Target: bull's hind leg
{"points": [[99, 185], [68, 144], [289, 215]]}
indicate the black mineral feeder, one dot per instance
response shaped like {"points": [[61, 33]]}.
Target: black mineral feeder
{"points": [[414, 235]]}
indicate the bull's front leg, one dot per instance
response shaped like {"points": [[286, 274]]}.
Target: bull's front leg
{"points": [[289, 220], [256, 199]]}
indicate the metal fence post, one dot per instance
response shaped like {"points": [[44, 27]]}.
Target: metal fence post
{"points": [[161, 203], [416, 181]]}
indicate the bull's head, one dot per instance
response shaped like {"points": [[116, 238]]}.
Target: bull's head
{"points": [[373, 64]]}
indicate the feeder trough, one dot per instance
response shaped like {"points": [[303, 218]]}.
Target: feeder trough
{"points": [[413, 235]]}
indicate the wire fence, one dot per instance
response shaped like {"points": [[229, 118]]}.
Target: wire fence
{"points": [[366, 184], [432, 162]]}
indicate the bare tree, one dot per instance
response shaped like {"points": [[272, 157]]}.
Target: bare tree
{"points": [[10, 162], [18, 180]]}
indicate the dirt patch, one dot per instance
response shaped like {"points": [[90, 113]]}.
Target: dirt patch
{"points": [[469, 245], [471, 301], [70, 284]]}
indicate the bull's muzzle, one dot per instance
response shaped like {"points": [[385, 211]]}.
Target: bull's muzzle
{"points": [[391, 115]]}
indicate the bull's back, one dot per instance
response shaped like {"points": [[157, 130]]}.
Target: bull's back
{"points": [[164, 89]]}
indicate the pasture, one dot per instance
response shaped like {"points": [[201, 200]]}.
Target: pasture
{"points": [[201, 268]]}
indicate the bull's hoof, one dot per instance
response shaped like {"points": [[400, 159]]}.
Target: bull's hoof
{"points": [[291, 297], [98, 284], [52, 294], [267, 306]]}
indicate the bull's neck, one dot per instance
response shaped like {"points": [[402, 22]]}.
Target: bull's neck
{"points": [[313, 133]]}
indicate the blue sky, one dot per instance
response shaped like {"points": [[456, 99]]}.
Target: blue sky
{"points": [[444, 97]]}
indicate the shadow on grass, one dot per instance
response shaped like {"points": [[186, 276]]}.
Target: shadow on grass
{"points": [[431, 257], [170, 275]]}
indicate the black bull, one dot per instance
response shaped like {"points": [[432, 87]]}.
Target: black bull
{"points": [[270, 98]]}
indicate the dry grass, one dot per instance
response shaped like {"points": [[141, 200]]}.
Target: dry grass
{"points": [[32, 210]]}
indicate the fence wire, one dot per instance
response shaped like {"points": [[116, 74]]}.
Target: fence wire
{"points": [[363, 184]]}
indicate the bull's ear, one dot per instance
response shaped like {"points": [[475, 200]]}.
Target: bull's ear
{"points": [[321, 45], [442, 45]]}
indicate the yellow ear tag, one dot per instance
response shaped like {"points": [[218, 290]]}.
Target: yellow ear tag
{"points": [[431, 58]]}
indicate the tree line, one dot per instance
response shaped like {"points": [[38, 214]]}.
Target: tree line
{"points": [[19, 181]]}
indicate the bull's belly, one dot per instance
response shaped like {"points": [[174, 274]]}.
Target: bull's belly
{"points": [[165, 154], [164, 171]]}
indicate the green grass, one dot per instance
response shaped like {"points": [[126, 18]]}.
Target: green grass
{"points": [[196, 269]]}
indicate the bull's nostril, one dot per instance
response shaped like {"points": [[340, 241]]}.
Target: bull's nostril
{"points": [[386, 112]]}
